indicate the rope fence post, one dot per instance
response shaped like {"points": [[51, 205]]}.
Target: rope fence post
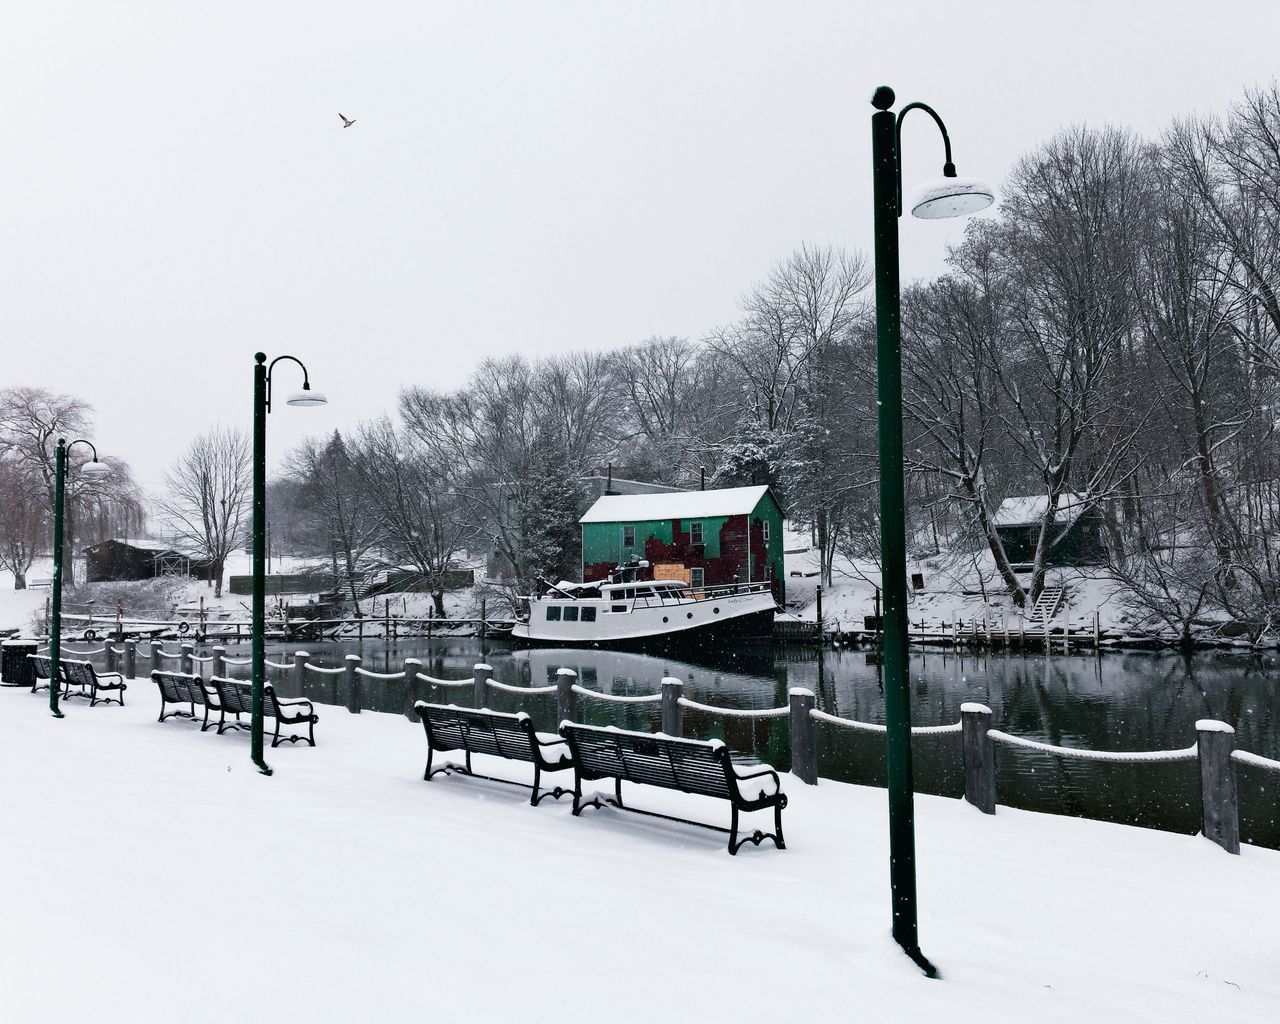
{"points": [[219, 664], [111, 655], [672, 691], [155, 656], [566, 699], [300, 659], [184, 664], [480, 676], [411, 668], [1097, 633], [804, 745], [353, 683], [979, 757], [1220, 818], [131, 659]]}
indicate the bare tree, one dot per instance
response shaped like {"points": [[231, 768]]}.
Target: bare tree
{"points": [[207, 496], [24, 527]]}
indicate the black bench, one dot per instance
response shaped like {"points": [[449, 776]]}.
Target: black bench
{"points": [[181, 688], [41, 671], [88, 683], [690, 766], [449, 727], [237, 699]]}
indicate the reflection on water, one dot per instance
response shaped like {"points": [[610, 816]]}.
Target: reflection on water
{"points": [[1116, 702]]}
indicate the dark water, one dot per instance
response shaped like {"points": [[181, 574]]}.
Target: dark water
{"points": [[1113, 702]]}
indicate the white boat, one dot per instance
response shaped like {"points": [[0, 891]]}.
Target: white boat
{"points": [[643, 613]]}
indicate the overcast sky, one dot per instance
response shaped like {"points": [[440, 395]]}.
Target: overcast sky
{"points": [[177, 192]]}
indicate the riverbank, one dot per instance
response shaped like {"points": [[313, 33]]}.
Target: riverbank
{"points": [[345, 887]]}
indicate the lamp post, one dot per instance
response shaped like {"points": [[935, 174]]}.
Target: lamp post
{"points": [[93, 470], [948, 196], [262, 406]]}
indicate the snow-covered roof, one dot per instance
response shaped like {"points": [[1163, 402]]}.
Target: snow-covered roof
{"points": [[628, 508], [1029, 510]]}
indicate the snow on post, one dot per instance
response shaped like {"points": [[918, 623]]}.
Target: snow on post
{"points": [[480, 676], [300, 659], [156, 648], [1220, 820]]}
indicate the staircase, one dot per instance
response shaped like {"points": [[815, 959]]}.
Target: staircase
{"points": [[1047, 605]]}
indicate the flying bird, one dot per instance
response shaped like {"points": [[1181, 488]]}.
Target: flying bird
{"points": [[346, 122]]}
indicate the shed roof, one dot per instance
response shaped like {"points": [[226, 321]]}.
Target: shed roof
{"points": [[1030, 509], [634, 508]]}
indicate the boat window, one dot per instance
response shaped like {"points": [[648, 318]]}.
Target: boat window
{"points": [[629, 593], [553, 613], [571, 615], [695, 533], [618, 608], [588, 615], [644, 592]]}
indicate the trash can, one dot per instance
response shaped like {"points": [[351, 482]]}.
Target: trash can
{"points": [[15, 667]]}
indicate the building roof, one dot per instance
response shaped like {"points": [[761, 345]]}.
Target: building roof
{"points": [[1029, 510], [636, 508]]}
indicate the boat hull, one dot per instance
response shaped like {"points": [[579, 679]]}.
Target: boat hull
{"points": [[751, 626]]}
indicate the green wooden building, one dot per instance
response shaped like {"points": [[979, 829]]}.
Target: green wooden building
{"points": [[705, 538], [1076, 538]]}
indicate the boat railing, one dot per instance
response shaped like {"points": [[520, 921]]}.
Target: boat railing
{"points": [[671, 598]]}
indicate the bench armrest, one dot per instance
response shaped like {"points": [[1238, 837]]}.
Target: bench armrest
{"points": [[755, 775]]}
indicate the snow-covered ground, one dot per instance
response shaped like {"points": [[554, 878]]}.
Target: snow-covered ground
{"points": [[149, 874]]}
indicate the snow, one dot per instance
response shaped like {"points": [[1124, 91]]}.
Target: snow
{"points": [[1212, 725], [626, 508], [1030, 510], [972, 708], [346, 888]]}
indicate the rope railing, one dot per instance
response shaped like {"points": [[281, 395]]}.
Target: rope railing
{"points": [[325, 671], [1114, 756], [652, 698], [85, 654], [508, 688], [849, 723], [202, 660], [236, 661], [166, 655], [685, 702], [444, 682], [1256, 760], [117, 650], [378, 675], [276, 664]]}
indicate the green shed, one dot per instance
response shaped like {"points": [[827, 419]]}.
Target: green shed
{"points": [[704, 538], [1076, 535]]}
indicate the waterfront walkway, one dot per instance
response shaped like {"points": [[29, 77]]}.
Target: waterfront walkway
{"points": [[124, 841]]}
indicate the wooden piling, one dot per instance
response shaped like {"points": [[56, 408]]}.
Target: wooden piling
{"points": [[300, 660], [979, 757], [480, 676], [185, 662], [804, 740], [672, 689], [411, 668], [131, 659], [353, 683], [1220, 816], [566, 699]]}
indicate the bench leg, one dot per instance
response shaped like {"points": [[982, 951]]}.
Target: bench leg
{"points": [[733, 832], [537, 776], [426, 775], [275, 736], [617, 791], [311, 730], [777, 826]]}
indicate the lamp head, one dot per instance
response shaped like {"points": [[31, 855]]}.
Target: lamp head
{"points": [[95, 470], [950, 196], [306, 396]]}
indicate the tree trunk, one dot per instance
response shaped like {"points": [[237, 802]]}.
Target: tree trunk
{"points": [[19, 581], [218, 569], [438, 597]]}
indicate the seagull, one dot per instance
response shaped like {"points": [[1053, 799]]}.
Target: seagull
{"points": [[346, 123]]}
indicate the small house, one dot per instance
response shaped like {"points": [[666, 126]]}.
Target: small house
{"points": [[115, 560], [704, 538], [1076, 534]]}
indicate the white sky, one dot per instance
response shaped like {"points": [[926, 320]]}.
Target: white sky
{"points": [[176, 191]]}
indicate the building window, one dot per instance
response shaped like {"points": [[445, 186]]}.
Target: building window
{"points": [[695, 533], [571, 615], [765, 524], [588, 615], [698, 577], [553, 613]]}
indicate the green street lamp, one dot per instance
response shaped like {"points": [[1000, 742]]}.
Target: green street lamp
{"points": [[93, 470], [948, 196], [262, 406]]}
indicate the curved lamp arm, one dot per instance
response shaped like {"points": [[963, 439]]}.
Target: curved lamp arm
{"points": [[948, 168], [306, 380], [81, 440]]}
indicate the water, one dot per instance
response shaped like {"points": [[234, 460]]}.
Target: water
{"points": [[1114, 702]]}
